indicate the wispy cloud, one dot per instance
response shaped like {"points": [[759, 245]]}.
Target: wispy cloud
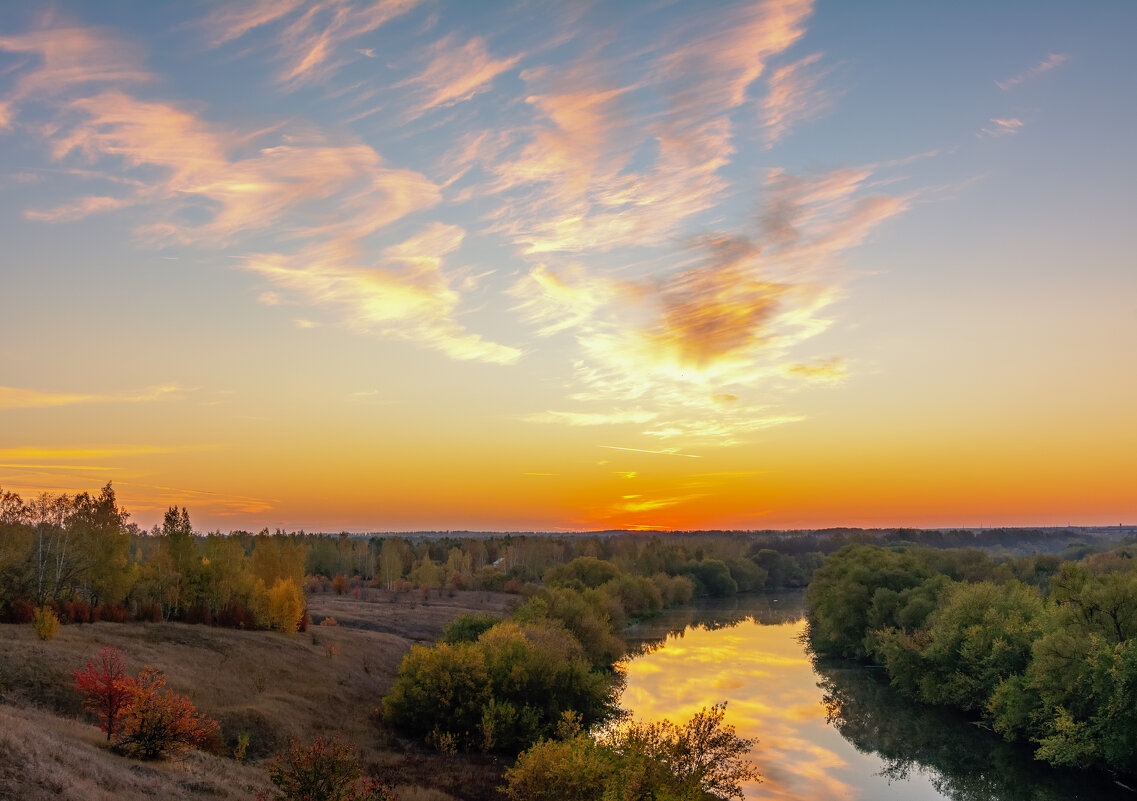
{"points": [[407, 295], [794, 96], [723, 55], [616, 417], [206, 184], [78, 209], [146, 497], [641, 504], [614, 177], [1051, 61], [1001, 127], [310, 36], [229, 22], [66, 59], [694, 345], [23, 398], [826, 370], [580, 182], [298, 177], [32, 453], [457, 73]]}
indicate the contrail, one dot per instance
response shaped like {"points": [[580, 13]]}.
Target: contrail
{"points": [[665, 452]]}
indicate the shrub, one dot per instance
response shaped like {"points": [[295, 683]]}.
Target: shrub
{"points": [[46, 623], [444, 684], [235, 615], [76, 612], [327, 770], [241, 749], [150, 613], [698, 761], [467, 627], [23, 611], [113, 613], [501, 693], [161, 723]]}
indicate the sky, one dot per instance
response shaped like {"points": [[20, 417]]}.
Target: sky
{"points": [[413, 264]]}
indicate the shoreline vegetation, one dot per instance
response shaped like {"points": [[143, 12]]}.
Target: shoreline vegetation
{"points": [[478, 666], [1041, 649]]}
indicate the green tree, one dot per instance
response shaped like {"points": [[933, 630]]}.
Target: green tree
{"points": [[700, 760], [440, 689]]}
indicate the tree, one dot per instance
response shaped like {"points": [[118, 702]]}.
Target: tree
{"points": [[391, 562], [467, 628], [577, 769], [161, 723], [327, 770], [440, 690], [107, 690], [699, 760], [103, 545], [285, 606], [46, 623]]}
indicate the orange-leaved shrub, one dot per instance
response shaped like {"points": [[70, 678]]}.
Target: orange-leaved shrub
{"points": [[148, 722], [161, 723]]}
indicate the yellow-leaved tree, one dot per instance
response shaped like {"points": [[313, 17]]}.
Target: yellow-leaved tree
{"points": [[285, 606]]}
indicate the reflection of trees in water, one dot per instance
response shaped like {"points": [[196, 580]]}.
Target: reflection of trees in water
{"points": [[767, 609], [963, 762]]}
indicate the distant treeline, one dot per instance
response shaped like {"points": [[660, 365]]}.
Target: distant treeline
{"points": [[81, 556], [1040, 648]]}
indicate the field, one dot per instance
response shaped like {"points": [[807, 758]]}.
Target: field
{"points": [[328, 680]]}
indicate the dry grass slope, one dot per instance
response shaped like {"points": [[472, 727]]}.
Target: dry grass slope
{"points": [[327, 681], [46, 757]]}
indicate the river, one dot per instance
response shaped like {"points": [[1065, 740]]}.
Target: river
{"points": [[826, 731]]}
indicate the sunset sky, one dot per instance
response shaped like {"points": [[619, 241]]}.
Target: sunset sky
{"points": [[553, 265]]}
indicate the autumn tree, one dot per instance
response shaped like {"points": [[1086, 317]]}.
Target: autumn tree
{"points": [[46, 623], [391, 565], [161, 723], [701, 760], [285, 606], [107, 690], [327, 770]]}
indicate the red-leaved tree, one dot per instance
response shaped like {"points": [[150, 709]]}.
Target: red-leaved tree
{"points": [[107, 690]]}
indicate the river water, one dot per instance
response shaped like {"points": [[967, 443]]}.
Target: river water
{"points": [[826, 731]]}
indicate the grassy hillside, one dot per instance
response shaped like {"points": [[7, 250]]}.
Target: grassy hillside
{"points": [[328, 680]]}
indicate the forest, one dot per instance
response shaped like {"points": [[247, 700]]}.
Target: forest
{"points": [[1038, 646]]}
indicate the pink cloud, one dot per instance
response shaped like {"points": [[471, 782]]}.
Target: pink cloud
{"points": [[457, 73], [793, 97], [1051, 61]]}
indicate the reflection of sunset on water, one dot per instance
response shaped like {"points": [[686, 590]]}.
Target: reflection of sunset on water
{"points": [[766, 677]]}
